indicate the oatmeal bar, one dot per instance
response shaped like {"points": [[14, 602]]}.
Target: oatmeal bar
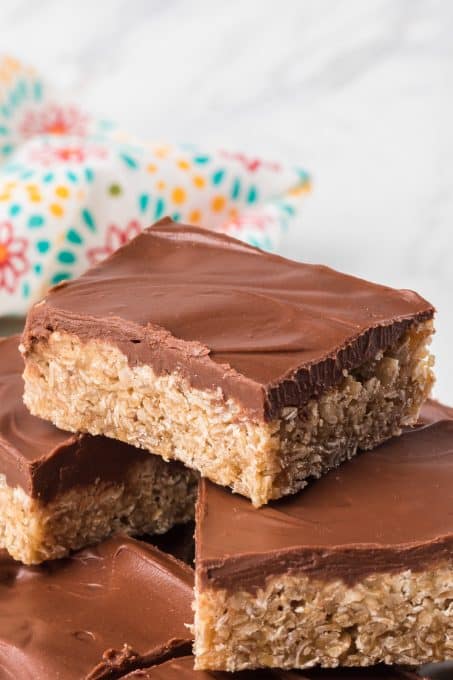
{"points": [[60, 491], [257, 371], [101, 613], [355, 570]]}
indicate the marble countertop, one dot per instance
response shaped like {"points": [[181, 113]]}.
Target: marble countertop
{"points": [[357, 92]]}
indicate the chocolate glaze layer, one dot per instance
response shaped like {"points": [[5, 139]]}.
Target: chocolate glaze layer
{"points": [[433, 410], [268, 331], [182, 669], [42, 459], [99, 614], [386, 510], [437, 671]]}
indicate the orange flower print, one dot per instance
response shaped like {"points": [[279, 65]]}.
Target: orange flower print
{"points": [[115, 238], [54, 120], [13, 263], [249, 220], [71, 154]]}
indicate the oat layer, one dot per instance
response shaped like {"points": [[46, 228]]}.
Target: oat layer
{"points": [[298, 622], [152, 498], [90, 387]]}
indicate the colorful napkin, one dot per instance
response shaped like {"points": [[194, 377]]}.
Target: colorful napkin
{"points": [[73, 188]]}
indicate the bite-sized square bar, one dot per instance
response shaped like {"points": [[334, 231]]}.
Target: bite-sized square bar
{"points": [[100, 613], [60, 491], [356, 570], [255, 370], [182, 669]]}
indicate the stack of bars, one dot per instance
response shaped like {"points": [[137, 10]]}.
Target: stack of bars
{"points": [[188, 360]]}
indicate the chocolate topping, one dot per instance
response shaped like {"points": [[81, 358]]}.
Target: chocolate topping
{"points": [[433, 410], [385, 510], [42, 459], [437, 671], [270, 332], [99, 614], [182, 669]]}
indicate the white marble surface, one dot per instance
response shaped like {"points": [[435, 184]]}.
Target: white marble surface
{"points": [[359, 92]]}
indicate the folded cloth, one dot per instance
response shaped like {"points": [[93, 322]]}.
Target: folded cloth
{"points": [[73, 188]]}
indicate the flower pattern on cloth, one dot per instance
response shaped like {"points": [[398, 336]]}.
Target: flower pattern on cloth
{"points": [[54, 120], [74, 188], [114, 239], [13, 262]]}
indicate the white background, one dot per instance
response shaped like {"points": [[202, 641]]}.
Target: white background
{"points": [[360, 92]]}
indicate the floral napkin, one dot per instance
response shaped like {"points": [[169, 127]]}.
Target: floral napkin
{"points": [[73, 188]]}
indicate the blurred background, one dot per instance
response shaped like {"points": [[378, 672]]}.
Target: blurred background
{"points": [[358, 93]]}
